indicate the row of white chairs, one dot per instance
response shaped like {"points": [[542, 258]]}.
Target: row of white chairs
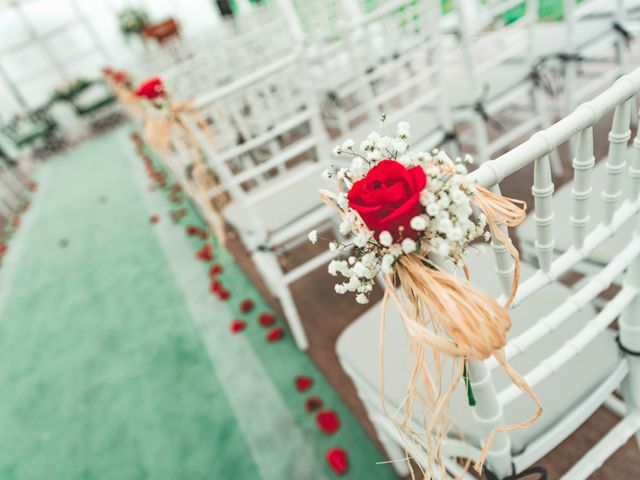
{"points": [[393, 60]]}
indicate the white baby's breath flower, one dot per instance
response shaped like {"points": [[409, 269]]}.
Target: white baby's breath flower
{"points": [[337, 151], [458, 196], [433, 209], [351, 260], [455, 234], [418, 223], [327, 174], [399, 146], [341, 173], [487, 236], [344, 228], [348, 144], [408, 246], [361, 239], [333, 268], [461, 169], [468, 159], [385, 239], [387, 262], [374, 156], [342, 200], [360, 270], [403, 129], [340, 289], [427, 197], [313, 236], [362, 299], [334, 246]]}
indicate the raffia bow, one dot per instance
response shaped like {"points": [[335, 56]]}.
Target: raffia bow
{"points": [[450, 317]]}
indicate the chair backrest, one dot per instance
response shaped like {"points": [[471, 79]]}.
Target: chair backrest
{"points": [[270, 142], [619, 208], [393, 56], [494, 32]]}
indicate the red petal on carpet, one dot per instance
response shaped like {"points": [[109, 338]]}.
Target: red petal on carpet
{"points": [[338, 460], [205, 253], [204, 234], [192, 230], [215, 270], [328, 421], [224, 294], [312, 404], [154, 218], [238, 326], [266, 319], [246, 306], [275, 334], [3, 248], [215, 287], [303, 383]]}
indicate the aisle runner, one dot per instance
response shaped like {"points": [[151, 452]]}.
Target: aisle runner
{"points": [[285, 440], [118, 363]]}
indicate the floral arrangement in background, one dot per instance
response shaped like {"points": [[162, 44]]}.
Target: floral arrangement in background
{"points": [[119, 77], [71, 88], [409, 217], [399, 202], [132, 21]]}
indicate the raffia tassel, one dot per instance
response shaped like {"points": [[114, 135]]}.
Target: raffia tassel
{"points": [[451, 317], [157, 129]]}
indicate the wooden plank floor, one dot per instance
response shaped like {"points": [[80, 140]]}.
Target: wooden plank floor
{"points": [[315, 291]]}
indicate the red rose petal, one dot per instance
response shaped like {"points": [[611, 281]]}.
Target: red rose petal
{"points": [[154, 219], [275, 334], [215, 287], [338, 460], [328, 421], [238, 326], [3, 248], [312, 404], [246, 306], [215, 270], [205, 253], [203, 234], [192, 230], [224, 294], [266, 319], [303, 383]]}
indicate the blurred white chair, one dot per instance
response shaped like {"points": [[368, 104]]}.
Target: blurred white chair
{"points": [[387, 61], [561, 345], [590, 42], [496, 86], [270, 153]]}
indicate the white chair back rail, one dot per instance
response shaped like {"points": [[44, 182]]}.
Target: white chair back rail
{"points": [[579, 126]]}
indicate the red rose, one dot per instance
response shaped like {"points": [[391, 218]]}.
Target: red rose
{"points": [[152, 88], [389, 197]]}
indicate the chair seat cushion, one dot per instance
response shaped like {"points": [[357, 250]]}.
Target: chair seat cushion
{"points": [[358, 350], [562, 228]]}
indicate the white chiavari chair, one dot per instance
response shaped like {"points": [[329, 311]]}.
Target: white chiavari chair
{"points": [[387, 61], [270, 149], [565, 349], [495, 86]]}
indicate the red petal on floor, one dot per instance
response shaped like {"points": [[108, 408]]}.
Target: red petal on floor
{"points": [[328, 421], [3, 248], [338, 460], [266, 319], [303, 383], [312, 404], [154, 218], [224, 294], [215, 287], [238, 326], [205, 253], [275, 334], [246, 306], [204, 234], [215, 270], [192, 230]]}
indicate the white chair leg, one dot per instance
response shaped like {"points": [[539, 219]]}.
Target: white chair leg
{"points": [[293, 318], [269, 268], [482, 139]]}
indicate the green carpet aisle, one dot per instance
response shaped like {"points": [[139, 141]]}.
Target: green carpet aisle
{"points": [[119, 363]]}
